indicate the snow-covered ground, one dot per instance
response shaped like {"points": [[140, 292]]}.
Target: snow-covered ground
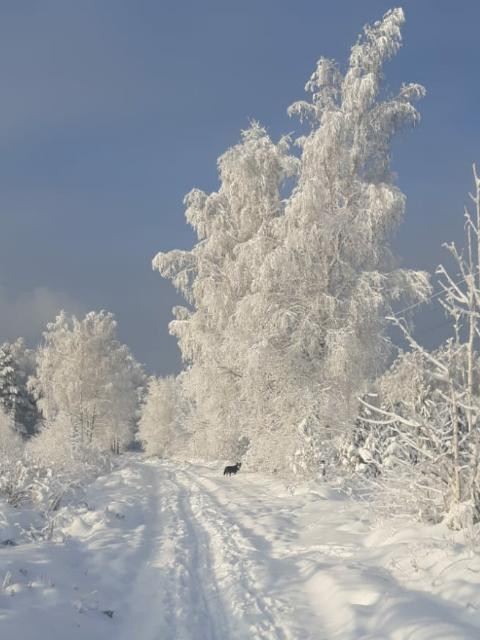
{"points": [[162, 550]]}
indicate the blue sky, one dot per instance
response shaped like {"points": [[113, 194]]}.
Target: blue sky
{"points": [[111, 111]]}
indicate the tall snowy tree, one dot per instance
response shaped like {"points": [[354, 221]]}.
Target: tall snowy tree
{"points": [[87, 382], [288, 297], [235, 230]]}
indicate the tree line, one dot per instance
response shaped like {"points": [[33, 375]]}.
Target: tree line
{"points": [[291, 292]]}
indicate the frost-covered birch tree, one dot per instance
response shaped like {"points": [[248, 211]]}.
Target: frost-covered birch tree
{"points": [[235, 231], [287, 298], [87, 383], [161, 428], [331, 281]]}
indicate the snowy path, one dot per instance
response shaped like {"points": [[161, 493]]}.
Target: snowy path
{"points": [[178, 552]]}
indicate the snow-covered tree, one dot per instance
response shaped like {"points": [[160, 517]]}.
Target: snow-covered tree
{"points": [[325, 289], [87, 383], [16, 365], [8, 381], [161, 425], [235, 230], [429, 402], [288, 296]]}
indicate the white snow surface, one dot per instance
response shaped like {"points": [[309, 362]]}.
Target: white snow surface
{"points": [[178, 551]]}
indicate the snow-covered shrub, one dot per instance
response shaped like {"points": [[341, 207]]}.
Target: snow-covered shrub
{"points": [[403, 439], [57, 476], [11, 445], [43, 470], [310, 457], [56, 447], [40, 475], [12, 470]]}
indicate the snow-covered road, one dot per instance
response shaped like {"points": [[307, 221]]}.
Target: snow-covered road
{"points": [[169, 551]]}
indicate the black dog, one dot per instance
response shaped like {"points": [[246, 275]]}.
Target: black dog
{"points": [[228, 471]]}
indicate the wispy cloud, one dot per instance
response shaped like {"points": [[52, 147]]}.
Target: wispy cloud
{"points": [[27, 313]]}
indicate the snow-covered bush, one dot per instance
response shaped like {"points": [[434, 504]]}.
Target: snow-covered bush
{"points": [[55, 448], [41, 472], [400, 442], [12, 472], [413, 437], [310, 457]]}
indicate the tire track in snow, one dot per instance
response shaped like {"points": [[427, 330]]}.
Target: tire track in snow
{"points": [[171, 597], [208, 619], [146, 612], [238, 566]]}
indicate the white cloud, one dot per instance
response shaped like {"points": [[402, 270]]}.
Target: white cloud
{"points": [[27, 313]]}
